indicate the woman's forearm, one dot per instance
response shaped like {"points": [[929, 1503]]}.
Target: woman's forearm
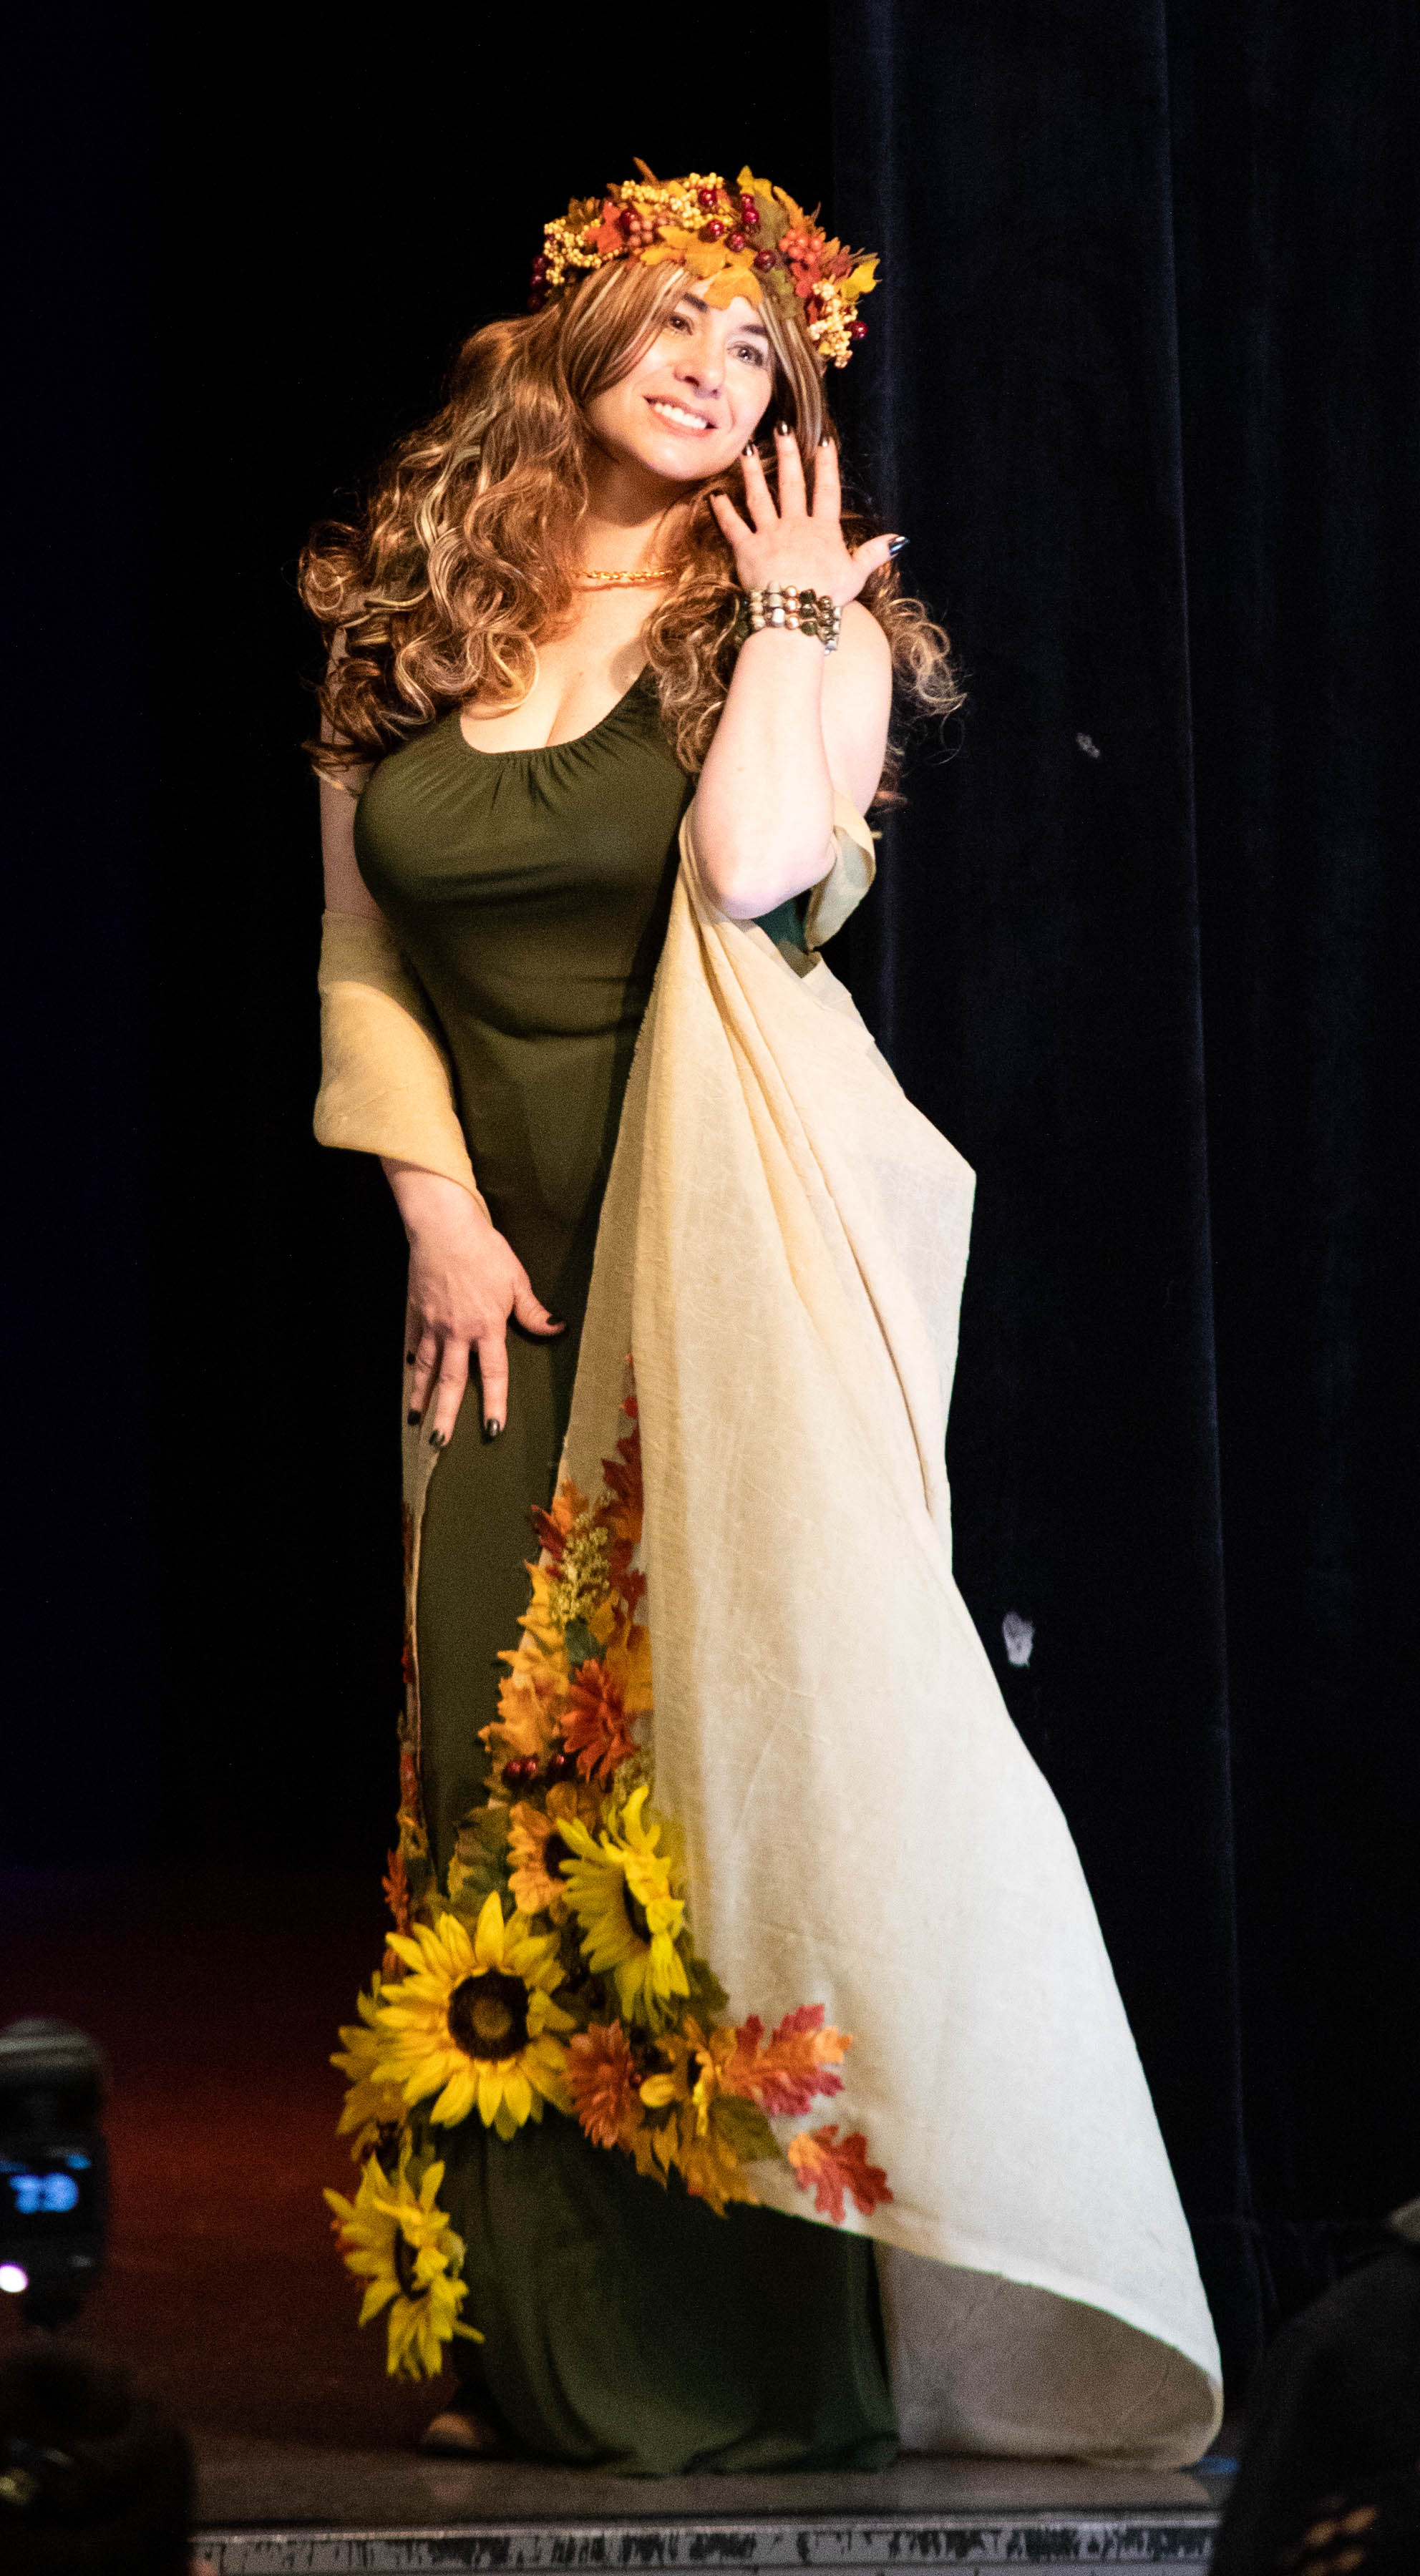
{"points": [[764, 805]]}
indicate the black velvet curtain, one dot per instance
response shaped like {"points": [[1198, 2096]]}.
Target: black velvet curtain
{"points": [[1141, 388]]}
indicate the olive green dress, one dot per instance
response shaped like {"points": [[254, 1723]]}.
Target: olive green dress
{"points": [[626, 2326]]}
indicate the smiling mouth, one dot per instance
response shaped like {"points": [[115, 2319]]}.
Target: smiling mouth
{"points": [[673, 412]]}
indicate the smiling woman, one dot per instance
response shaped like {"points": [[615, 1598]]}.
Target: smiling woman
{"points": [[612, 676]]}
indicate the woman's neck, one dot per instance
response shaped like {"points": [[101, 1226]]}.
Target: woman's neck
{"points": [[629, 520]]}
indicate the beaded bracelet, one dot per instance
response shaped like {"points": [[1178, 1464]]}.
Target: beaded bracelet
{"points": [[805, 612]]}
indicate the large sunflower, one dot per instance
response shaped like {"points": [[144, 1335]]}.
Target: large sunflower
{"points": [[473, 2020], [399, 2242], [370, 2105], [620, 1889]]}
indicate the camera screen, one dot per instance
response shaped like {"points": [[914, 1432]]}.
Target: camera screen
{"points": [[39, 2193]]}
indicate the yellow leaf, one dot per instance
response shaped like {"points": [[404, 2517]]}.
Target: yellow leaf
{"points": [[722, 290], [862, 279]]}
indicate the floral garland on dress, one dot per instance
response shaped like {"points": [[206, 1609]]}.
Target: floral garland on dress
{"points": [[557, 1966]]}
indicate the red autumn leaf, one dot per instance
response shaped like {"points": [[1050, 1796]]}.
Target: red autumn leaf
{"points": [[828, 2166], [784, 2073]]}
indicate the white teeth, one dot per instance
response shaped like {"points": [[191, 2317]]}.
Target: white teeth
{"points": [[672, 411]]}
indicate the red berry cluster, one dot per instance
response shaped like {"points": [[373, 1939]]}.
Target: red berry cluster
{"points": [[537, 296], [523, 1772]]}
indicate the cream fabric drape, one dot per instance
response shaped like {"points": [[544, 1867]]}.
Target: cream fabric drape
{"points": [[385, 1086], [782, 1250]]}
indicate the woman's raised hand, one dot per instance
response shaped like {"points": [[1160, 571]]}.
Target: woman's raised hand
{"points": [[465, 1281], [796, 541]]}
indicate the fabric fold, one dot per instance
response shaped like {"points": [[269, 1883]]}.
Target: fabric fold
{"points": [[782, 1249], [385, 1087]]}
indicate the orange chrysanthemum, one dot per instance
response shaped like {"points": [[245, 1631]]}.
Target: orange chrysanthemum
{"points": [[602, 2078], [595, 1725]]}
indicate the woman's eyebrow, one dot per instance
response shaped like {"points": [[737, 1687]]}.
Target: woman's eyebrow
{"points": [[702, 307]]}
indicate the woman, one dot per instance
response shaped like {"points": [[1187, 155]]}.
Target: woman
{"points": [[613, 686]]}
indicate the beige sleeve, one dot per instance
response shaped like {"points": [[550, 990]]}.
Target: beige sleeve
{"points": [[385, 1086], [854, 868]]}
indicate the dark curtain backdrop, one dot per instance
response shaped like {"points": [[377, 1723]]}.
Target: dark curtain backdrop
{"points": [[1143, 392], [1140, 385]]}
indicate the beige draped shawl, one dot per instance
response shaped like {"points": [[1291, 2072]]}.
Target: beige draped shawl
{"points": [[782, 1249]]}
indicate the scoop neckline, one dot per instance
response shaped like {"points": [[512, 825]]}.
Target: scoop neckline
{"points": [[541, 750]]}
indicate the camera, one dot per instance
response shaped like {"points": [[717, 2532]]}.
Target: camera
{"points": [[53, 2169]]}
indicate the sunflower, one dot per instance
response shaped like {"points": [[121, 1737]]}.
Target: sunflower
{"points": [[399, 2242], [536, 1849], [473, 2021], [370, 2105], [621, 1893]]}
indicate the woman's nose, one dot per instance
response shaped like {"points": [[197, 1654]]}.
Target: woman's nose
{"points": [[701, 368]]}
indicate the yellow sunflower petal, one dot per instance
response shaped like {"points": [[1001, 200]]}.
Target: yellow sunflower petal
{"points": [[488, 1940]]}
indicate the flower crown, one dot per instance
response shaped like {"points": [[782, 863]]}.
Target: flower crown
{"points": [[735, 241]]}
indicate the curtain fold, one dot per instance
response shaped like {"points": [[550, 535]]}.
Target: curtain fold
{"points": [[1133, 949]]}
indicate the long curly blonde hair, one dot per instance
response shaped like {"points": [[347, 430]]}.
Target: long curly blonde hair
{"points": [[464, 558]]}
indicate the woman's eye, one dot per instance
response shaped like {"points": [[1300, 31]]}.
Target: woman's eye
{"points": [[679, 322], [748, 350]]}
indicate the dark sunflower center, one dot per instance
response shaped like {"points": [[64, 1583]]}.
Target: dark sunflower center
{"points": [[404, 2262], [554, 1852], [488, 2015], [636, 1916]]}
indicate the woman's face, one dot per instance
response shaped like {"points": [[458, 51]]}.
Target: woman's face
{"points": [[696, 396]]}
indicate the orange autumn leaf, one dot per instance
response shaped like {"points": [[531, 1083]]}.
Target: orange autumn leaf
{"points": [[555, 1527], [829, 2166], [525, 1724], [396, 1890], [784, 2073], [594, 1722]]}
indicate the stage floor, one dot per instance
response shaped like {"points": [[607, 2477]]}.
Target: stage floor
{"points": [[216, 2000]]}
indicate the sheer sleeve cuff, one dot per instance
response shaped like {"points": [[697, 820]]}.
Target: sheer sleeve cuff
{"points": [[386, 1087]]}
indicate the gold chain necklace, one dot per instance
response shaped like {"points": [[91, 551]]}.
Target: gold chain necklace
{"points": [[625, 580]]}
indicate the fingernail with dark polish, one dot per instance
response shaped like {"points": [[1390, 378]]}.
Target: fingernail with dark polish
{"points": [[782, 429], [409, 1359], [413, 1419], [559, 1320], [491, 1430], [897, 545], [438, 1439]]}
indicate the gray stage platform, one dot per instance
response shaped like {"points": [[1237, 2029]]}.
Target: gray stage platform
{"points": [[267, 2509]]}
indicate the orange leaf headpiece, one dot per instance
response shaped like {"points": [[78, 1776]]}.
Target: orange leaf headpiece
{"points": [[734, 241]]}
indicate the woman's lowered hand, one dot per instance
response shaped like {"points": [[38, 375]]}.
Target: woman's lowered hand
{"points": [[794, 541], [465, 1282]]}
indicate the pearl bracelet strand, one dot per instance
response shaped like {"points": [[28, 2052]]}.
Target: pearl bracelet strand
{"points": [[803, 612]]}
